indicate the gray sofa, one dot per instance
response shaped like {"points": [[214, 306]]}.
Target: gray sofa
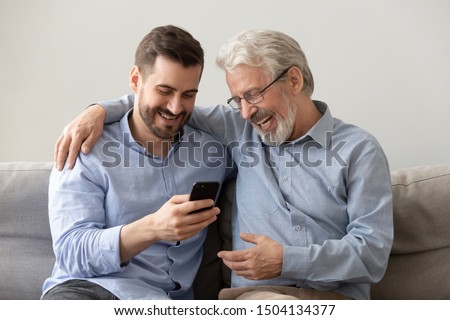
{"points": [[419, 266]]}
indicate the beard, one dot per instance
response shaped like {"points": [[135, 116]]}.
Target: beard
{"points": [[284, 126], [164, 132]]}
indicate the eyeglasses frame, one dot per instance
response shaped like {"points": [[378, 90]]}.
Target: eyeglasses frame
{"points": [[260, 93]]}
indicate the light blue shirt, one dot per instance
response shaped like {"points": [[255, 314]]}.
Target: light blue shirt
{"points": [[326, 197], [117, 183]]}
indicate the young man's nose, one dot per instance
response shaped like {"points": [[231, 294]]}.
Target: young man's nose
{"points": [[175, 106]]}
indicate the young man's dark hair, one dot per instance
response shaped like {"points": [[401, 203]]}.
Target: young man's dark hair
{"points": [[172, 43]]}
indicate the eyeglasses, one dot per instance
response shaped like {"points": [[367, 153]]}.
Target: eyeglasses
{"points": [[253, 97]]}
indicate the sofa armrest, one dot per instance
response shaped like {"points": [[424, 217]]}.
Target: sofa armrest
{"points": [[26, 255], [420, 258]]}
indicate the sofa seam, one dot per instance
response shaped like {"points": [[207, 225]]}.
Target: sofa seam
{"points": [[421, 251], [421, 180]]}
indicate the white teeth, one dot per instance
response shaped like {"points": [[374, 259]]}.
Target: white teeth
{"points": [[263, 120], [165, 116]]}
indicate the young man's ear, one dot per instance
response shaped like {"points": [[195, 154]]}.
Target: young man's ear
{"points": [[295, 80], [135, 79]]}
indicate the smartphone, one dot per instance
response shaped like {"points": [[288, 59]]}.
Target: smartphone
{"points": [[204, 190]]}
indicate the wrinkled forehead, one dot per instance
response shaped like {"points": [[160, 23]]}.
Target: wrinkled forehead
{"points": [[246, 78]]}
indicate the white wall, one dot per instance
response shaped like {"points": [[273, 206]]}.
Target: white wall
{"points": [[383, 65]]}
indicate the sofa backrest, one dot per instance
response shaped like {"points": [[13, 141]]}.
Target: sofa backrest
{"points": [[213, 275]]}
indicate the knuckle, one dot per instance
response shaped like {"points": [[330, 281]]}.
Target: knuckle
{"points": [[73, 148]]}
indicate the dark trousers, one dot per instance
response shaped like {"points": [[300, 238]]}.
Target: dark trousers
{"points": [[78, 290]]}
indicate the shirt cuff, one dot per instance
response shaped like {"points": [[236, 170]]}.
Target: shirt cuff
{"points": [[295, 263], [110, 249]]}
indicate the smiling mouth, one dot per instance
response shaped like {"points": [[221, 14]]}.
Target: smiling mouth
{"points": [[264, 123], [167, 116], [264, 120]]}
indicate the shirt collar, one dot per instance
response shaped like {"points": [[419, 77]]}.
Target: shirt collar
{"points": [[322, 130], [319, 131]]}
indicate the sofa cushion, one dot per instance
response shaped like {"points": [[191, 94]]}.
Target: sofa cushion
{"points": [[419, 265], [25, 241], [213, 275]]}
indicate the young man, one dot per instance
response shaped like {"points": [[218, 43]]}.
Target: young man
{"points": [[313, 216], [120, 218]]}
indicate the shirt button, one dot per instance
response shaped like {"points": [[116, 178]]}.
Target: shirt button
{"points": [[285, 178], [298, 228]]}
